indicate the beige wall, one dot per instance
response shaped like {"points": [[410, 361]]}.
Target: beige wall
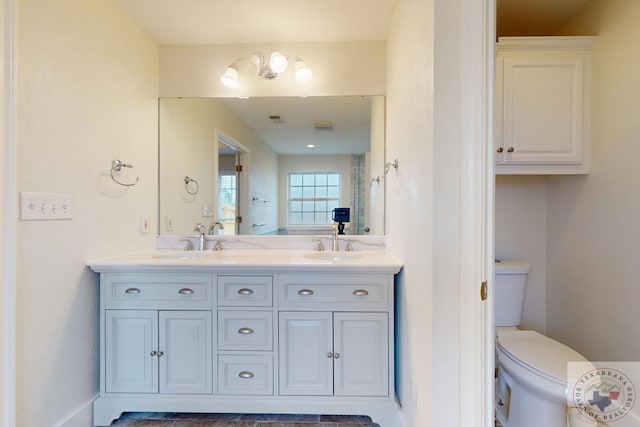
{"points": [[87, 94], [592, 228], [520, 233], [193, 123], [410, 55], [339, 68]]}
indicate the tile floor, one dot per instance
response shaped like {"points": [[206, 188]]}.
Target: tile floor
{"points": [[169, 419]]}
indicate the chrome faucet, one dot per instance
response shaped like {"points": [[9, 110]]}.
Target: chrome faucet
{"points": [[200, 228], [334, 238], [212, 229]]}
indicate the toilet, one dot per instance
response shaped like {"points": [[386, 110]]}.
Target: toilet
{"points": [[532, 388]]}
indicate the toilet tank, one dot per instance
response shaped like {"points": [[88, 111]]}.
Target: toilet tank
{"points": [[510, 282]]}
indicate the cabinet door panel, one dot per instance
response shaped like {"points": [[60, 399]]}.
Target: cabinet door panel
{"points": [[131, 337], [361, 354], [185, 342], [305, 344]]}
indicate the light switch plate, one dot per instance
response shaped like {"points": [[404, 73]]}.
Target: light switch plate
{"points": [[45, 206]]}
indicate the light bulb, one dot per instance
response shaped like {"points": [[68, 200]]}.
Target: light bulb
{"points": [[303, 73], [230, 78], [278, 62]]}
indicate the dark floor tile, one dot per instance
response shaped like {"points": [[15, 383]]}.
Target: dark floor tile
{"points": [[213, 423], [361, 419], [281, 417]]}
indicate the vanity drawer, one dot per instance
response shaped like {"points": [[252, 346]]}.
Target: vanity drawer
{"points": [[355, 292], [245, 291], [241, 374], [158, 290], [245, 330]]}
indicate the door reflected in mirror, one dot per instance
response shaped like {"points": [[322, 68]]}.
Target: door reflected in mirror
{"points": [[272, 165]]}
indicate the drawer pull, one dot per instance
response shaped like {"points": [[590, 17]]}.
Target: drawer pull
{"points": [[185, 291], [305, 292], [132, 291], [246, 374], [245, 291], [245, 331], [360, 292]]}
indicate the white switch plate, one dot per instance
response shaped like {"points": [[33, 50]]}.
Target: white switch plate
{"points": [[45, 206]]}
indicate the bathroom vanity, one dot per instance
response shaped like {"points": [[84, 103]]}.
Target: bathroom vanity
{"points": [[247, 331]]}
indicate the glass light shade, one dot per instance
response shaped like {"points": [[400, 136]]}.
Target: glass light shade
{"points": [[278, 62], [303, 73], [230, 78]]}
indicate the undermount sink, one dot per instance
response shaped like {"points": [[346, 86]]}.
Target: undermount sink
{"points": [[333, 256], [183, 255]]}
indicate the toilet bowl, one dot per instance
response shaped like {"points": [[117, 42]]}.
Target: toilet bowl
{"points": [[532, 388]]}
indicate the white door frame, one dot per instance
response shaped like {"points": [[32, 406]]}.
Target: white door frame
{"points": [[477, 56], [8, 193]]}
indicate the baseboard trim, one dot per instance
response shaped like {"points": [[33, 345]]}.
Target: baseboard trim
{"points": [[82, 416]]}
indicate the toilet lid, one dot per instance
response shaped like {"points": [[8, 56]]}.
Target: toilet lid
{"points": [[540, 353]]}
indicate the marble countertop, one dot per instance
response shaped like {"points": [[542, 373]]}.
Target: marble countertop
{"points": [[252, 260]]}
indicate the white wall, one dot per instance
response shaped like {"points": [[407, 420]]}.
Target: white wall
{"points": [[592, 227], [409, 193], [520, 233], [87, 94]]}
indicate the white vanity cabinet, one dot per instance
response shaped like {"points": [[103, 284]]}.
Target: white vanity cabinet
{"points": [[249, 338], [542, 112], [334, 353], [158, 351], [157, 332]]}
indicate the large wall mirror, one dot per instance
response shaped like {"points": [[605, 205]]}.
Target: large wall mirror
{"points": [[271, 165]]}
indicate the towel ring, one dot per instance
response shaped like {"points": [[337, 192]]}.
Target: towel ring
{"points": [[116, 166], [190, 189]]}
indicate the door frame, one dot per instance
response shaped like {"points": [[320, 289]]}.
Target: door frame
{"points": [[8, 222]]}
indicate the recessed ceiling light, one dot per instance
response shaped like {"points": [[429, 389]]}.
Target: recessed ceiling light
{"points": [[311, 146]]}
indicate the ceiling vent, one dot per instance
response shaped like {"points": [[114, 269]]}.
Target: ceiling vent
{"points": [[276, 119], [323, 125]]}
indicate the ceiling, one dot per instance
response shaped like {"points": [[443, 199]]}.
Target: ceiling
{"points": [[288, 21]]}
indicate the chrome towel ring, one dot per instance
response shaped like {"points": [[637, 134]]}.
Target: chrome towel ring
{"points": [[191, 186], [116, 166]]}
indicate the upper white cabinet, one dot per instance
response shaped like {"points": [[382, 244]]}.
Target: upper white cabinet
{"points": [[543, 105]]}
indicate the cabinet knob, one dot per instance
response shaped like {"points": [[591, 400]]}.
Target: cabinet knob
{"points": [[245, 291], [510, 150], [160, 353], [132, 291], [500, 149], [305, 292], [360, 292], [185, 291], [329, 355], [153, 353], [245, 331], [246, 374], [337, 356]]}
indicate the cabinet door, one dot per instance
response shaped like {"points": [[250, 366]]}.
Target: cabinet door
{"points": [[186, 363], [361, 359], [131, 365], [306, 353], [542, 108]]}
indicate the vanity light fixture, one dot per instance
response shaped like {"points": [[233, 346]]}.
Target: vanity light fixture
{"points": [[277, 64]]}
